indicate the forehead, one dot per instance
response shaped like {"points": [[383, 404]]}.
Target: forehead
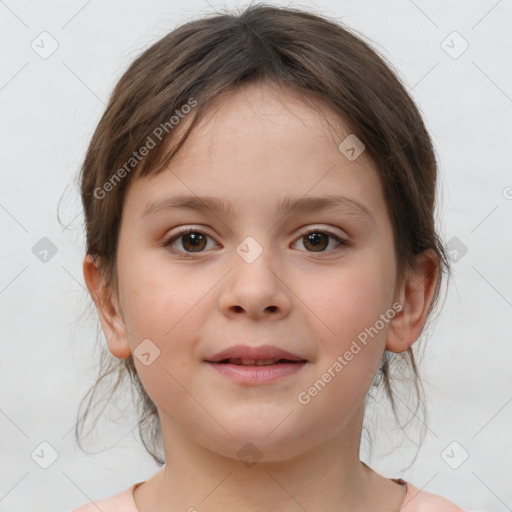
{"points": [[261, 142], [269, 114]]}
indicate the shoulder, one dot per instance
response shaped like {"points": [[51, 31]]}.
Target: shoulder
{"points": [[122, 502], [417, 500]]}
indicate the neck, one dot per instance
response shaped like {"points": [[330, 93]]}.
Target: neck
{"points": [[328, 478]]}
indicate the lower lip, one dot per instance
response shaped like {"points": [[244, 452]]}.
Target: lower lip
{"points": [[257, 374]]}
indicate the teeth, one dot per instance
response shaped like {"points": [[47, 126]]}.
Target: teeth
{"points": [[263, 362], [252, 362]]}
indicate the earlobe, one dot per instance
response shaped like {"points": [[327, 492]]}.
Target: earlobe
{"points": [[416, 296], [111, 320]]}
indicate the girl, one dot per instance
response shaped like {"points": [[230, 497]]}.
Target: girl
{"points": [[259, 202]]}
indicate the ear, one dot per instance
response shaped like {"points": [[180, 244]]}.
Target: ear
{"points": [[111, 320], [416, 293]]}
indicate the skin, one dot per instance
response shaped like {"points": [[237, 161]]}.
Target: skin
{"points": [[257, 145]]}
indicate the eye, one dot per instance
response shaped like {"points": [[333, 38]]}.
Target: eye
{"points": [[193, 241], [317, 239]]}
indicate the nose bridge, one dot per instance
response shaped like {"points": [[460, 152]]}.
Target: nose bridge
{"points": [[254, 284], [253, 263]]}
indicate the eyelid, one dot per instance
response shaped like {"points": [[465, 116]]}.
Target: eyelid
{"points": [[311, 228]]}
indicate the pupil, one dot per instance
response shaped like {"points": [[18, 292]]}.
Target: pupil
{"points": [[316, 240], [195, 238]]}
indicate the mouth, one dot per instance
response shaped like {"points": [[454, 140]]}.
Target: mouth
{"points": [[247, 355], [255, 365], [257, 362]]}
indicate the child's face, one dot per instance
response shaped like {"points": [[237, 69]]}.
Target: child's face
{"points": [[311, 297]]}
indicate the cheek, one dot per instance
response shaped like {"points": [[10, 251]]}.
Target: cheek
{"points": [[158, 299], [350, 341], [165, 307], [351, 300], [351, 335], [167, 312]]}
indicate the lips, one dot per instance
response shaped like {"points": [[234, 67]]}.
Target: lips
{"points": [[256, 366], [264, 355], [254, 362]]}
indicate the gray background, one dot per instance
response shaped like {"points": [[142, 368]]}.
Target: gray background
{"points": [[49, 108]]}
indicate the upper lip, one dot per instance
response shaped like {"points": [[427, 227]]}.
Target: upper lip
{"points": [[250, 352]]}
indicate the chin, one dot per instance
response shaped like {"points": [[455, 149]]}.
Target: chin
{"points": [[267, 439], [251, 451]]}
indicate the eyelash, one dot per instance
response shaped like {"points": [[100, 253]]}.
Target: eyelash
{"points": [[168, 242]]}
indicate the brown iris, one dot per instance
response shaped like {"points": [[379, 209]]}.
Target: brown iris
{"points": [[197, 241], [317, 240]]}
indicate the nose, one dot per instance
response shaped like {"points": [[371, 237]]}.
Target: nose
{"points": [[257, 289]]}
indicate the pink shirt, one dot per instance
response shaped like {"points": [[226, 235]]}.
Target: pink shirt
{"points": [[414, 501]]}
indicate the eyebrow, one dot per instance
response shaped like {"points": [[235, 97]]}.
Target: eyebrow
{"points": [[287, 204]]}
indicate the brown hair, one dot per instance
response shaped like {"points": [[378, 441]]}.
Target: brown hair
{"points": [[209, 57]]}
